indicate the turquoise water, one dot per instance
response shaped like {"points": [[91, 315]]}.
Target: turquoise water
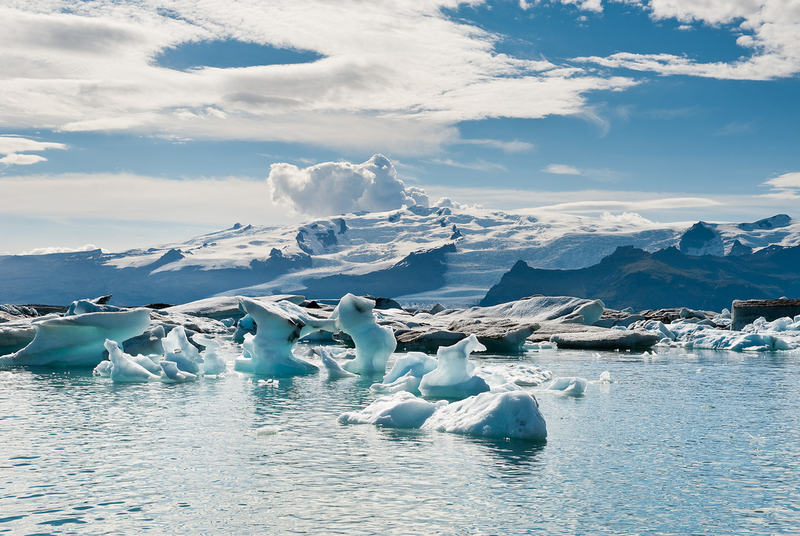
{"points": [[704, 443]]}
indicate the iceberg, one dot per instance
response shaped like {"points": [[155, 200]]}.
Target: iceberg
{"points": [[173, 373], [269, 352], [123, 368], [180, 351], [212, 363], [374, 343], [453, 376], [399, 410], [569, 385], [335, 370], [512, 414], [78, 340]]}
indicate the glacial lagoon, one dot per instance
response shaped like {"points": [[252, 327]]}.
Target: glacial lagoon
{"points": [[681, 442]]}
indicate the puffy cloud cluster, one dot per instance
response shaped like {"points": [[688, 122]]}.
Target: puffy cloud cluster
{"points": [[341, 187]]}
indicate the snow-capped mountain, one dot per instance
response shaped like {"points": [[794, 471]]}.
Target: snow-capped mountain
{"points": [[418, 255]]}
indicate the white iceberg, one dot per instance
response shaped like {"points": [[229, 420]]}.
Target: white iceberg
{"points": [[77, 341], [173, 373], [374, 343], [453, 376], [400, 410], [269, 352], [212, 363], [335, 370], [569, 385], [180, 351], [513, 414], [123, 367]]}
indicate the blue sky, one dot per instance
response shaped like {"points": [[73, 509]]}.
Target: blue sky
{"points": [[125, 124]]}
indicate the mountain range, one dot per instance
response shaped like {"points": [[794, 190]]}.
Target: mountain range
{"points": [[417, 255]]}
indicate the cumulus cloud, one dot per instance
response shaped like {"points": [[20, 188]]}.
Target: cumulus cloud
{"points": [[562, 169], [341, 187], [12, 146]]}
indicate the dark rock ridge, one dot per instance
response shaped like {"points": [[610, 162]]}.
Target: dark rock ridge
{"points": [[632, 277], [747, 311]]}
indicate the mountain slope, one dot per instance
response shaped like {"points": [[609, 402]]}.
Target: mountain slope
{"points": [[377, 253], [635, 278]]}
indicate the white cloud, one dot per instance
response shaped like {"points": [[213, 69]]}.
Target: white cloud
{"points": [[785, 186], [394, 76], [341, 187], [21, 159], [562, 169], [510, 147], [768, 31], [122, 197], [11, 146], [477, 165], [50, 250]]}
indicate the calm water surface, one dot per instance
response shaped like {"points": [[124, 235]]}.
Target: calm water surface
{"points": [[704, 443]]}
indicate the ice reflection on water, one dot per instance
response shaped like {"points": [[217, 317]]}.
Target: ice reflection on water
{"points": [[702, 443]]}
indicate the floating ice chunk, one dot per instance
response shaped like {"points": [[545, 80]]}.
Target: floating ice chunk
{"points": [[103, 369], [569, 386], [400, 410], [335, 370], [409, 383], [172, 372], [270, 351], [80, 307], [180, 351], [415, 363], [605, 377], [738, 341], [267, 431], [212, 363], [245, 325], [453, 376], [517, 373], [123, 368], [513, 414], [374, 343], [77, 341]]}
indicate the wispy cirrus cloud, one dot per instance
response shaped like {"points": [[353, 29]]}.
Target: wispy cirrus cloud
{"points": [[562, 169], [13, 148], [78, 66]]}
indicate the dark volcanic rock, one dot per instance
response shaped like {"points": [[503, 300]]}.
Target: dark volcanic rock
{"points": [[745, 312], [609, 339]]}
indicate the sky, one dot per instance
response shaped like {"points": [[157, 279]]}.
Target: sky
{"points": [[126, 124]]}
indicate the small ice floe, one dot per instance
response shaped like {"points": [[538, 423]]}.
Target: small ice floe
{"points": [[517, 373], [180, 351], [572, 386], [267, 431], [453, 376], [335, 370], [212, 363], [605, 379], [406, 373], [399, 410], [123, 368], [173, 374], [272, 382]]}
